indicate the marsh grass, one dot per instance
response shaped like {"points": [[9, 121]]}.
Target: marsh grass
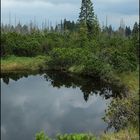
{"points": [[127, 134], [131, 80], [14, 63]]}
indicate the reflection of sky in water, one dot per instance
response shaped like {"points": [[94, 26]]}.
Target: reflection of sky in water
{"points": [[32, 104]]}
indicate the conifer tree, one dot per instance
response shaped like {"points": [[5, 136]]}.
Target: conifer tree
{"points": [[135, 31], [87, 16], [135, 38], [83, 38], [127, 31]]}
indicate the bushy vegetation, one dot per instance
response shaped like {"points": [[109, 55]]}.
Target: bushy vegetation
{"points": [[122, 114], [43, 136], [83, 48], [29, 45], [99, 55], [130, 133]]}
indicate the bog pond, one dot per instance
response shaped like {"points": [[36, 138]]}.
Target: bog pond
{"points": [[54, 102]]}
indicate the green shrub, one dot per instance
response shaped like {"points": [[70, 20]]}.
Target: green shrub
{"points": [[43, 136], [122, 113], [65, 57]]}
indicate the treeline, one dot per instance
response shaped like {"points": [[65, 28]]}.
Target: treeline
{"points": [[74, 51], [22, 40], [82, 47], [63, 26]]}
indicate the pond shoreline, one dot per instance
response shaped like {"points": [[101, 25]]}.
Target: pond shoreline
{"points": [[14, 64], [36, 65], [30, 64]]}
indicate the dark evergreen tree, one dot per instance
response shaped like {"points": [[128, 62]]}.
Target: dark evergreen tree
{"points": [[135, 30], [25, 29], [135, 38], [87, 16], [127, 31], [18, 28], [65, 26], [62, 26], [87, 13], [121, 31], [12, 29], [110, 30]]}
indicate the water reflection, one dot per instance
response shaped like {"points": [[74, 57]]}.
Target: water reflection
{"points": [[15, 76], [52, 102], [87, 85]]}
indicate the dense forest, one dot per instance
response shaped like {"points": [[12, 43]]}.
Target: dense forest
{"points": [[82, 47], [116, 49]]}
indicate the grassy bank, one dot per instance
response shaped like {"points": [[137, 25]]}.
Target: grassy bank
{"points": [[14, 63], [131, 80], [127, 134]]}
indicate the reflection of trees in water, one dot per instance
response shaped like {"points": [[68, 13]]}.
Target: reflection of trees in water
{"points": [[15, 76], [6, 80], [87, 85]]}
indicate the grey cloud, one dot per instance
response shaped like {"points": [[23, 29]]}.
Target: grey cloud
{"points": [[50, 1], [124, 7], [55, 10]]}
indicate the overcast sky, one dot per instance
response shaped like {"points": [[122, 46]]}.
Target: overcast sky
{"points": [[55, 10]]}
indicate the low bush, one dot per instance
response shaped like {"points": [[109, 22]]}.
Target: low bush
{"points": [[43, 136]]}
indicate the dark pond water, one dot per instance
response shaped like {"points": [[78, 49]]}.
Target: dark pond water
{"points": [[53, 102]]}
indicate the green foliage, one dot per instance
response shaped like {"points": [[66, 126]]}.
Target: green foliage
{"points": [[118, 53], [122, 61], [83, 35], [79, 60], [30, 44], [76, 137], [122, 113], [21, 45], [42, 136], [65, 57], [74, 51], [135, 40], [131, 133]]}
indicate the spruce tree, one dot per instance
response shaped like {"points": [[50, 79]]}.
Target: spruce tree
{"points": [[135, 30], [127, 31], [83, 36], [135, 38], [87, 16]]}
